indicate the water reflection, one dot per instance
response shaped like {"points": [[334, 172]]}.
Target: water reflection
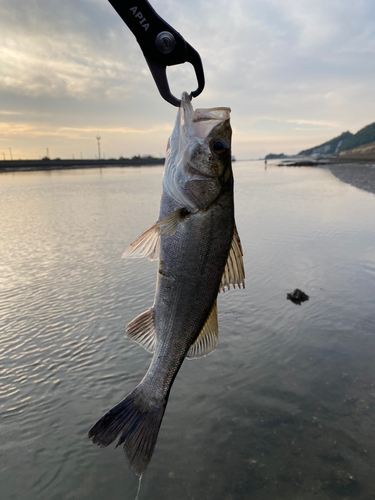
{"points": [[283, 409]]}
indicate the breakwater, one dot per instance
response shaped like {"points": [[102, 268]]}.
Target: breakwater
{"points": [[31, 165]]}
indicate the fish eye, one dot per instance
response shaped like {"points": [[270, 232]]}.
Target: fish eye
{"points": [[219, 147]]}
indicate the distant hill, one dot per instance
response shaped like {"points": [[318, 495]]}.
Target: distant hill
{"points": [[273, 156], [331, 147], [363, 136], [345, 141]]}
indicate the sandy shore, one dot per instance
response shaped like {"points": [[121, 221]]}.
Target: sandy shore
{"points": [[359, 175]]}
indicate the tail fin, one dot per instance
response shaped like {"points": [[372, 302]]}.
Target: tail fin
{"points": [[136, 420]]}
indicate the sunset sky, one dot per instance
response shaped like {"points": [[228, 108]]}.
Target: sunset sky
{"points": [[295, 73]]}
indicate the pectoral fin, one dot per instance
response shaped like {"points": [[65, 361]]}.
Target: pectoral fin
{"points": [[148, 243], [170, 223], [234, 272], [142, 330], [208, 338]]}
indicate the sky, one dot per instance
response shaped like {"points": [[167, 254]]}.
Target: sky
{"points": [[295, 73]]}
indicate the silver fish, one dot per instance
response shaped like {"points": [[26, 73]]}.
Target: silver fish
{"points": [[200, 254]]}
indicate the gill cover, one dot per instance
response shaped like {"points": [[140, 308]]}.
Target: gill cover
{"points": [[189, 155]]}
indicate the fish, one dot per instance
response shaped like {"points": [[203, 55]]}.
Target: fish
{"points": [[199, 253]]}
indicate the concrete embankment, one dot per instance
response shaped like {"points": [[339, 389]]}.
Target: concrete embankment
{"points": [[366, 152], [31, 165]]}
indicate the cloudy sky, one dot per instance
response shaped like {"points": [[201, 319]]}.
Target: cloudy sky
{"points": [[295, 73]]}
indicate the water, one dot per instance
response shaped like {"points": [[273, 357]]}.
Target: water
{"points": [[284, 409]]}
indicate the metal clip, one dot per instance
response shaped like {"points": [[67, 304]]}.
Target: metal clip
{"points": [[159, 72], [161, 45]]}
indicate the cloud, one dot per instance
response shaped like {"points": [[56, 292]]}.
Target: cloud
{"points": [[10, 113], [56, 52], [283, 67], [37, 130]]}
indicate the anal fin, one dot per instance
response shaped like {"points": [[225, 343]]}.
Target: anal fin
{"points": [[208, 339], [142, 330]]}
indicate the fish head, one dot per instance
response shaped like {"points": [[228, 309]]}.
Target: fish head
{"points": [[198, 159]]}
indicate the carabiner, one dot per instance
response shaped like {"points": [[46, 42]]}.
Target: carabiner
{"points": [[161, 45]]}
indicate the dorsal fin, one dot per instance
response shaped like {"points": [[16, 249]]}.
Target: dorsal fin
{"points": [[208, 338], [148, 243], [234, 272], [142, 330]]}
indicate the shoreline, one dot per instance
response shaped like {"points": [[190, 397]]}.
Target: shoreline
{"points": [[360, 175], [47, 165], [357, 171]]}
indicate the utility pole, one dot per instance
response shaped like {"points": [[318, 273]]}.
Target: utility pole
{"points": [[98, 139], [10, 151], [47, 152], [4, 156]]}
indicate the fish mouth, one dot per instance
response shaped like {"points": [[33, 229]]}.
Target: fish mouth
{"points": [[199, 123], [216, 114], [186, 111], [191, 129]]}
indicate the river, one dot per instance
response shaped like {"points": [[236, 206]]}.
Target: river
{"points": [[284, 408]]}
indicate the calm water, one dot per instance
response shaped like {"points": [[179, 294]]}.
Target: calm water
{"points": [[284, 409]]}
